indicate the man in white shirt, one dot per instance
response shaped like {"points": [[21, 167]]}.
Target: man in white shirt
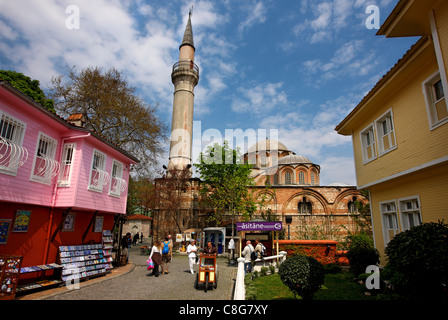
{"points": [[191, 251], [246, 255]]}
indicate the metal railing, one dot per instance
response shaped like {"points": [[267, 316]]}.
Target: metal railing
{"points": [[185, 65], [240, 289]]}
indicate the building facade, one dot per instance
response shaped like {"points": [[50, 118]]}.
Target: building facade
{"points": [[60, 184], [400, 129], [290, 186]]}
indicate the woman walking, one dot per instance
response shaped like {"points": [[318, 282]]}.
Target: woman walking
{"points": [[156, 256]]}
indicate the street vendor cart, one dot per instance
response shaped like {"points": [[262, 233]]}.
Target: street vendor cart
{"points": [[208, 272]]}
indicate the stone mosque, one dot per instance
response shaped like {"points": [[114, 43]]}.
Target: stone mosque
{"points": [[288, 183]]}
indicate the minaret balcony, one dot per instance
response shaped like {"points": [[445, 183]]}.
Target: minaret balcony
{"points": [[185, 67]]}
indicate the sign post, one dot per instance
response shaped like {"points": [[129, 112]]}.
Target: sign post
{"points": [[273, 226]]}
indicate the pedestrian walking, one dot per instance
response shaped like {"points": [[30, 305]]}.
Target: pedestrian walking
{"points": [[167, 252], [259, 251], [135, 239], [191, 251], [246, 254], [156, 256]]}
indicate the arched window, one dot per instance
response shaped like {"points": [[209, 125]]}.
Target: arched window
{"points": [[301, 177], [304, 207], [352, 208], [276, 179], [288, 177], [313, 180]]}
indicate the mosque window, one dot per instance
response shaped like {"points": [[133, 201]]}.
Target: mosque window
{"points": [[276, 179], [301, 177], [288, 177], [304, 207], [313, 179]]}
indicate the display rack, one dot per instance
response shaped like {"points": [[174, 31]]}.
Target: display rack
{"points": [[9, 277], [39, 283], [107, 248], [83, 261]]}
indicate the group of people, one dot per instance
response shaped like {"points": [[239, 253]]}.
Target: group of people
{"points": [[161, 254], [250, 258]]}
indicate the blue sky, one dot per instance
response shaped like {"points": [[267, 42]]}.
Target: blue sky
{"points": [[290, 67]]}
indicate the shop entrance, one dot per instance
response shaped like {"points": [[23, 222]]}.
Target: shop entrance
{"points": [[264, 237]]}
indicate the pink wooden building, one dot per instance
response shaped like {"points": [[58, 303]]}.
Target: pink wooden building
{"points": [[60, 184]]}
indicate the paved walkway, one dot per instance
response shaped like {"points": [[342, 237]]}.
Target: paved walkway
{"points": [[131, 282]]}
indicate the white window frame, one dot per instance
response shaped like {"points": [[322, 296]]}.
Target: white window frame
{"points": [[429, 94], [67, 160], [406, 212], [12, 153], [117, 184], [365, 143], [45, 167], [389, 215], [97, 168], [388, 119]]}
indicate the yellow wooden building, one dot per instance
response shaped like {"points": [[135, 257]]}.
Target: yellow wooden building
{"points": [[400, 128]]}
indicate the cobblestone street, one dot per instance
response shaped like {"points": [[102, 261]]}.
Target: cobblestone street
{"points": [[136, 284]]}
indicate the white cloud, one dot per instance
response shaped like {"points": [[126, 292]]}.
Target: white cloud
{"points": [[260, 99], [255, 13]]}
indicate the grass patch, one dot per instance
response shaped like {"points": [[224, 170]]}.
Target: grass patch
{"points": [[337, 286]]}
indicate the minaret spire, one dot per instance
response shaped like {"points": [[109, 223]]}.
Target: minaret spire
{"points": [[188, 34], [185, 77]]}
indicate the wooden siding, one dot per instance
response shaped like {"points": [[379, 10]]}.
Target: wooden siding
{"points": [[19, 188], [429, 185], [416, 143], [441, 19]]}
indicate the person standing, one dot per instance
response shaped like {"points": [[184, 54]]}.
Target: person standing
{"points": [[191, 251], [156, 256], [167, 251], [259, 251], [125, 245], [246, 254]]}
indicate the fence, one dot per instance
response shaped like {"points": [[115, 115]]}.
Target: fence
{"points": [[240, 290]]}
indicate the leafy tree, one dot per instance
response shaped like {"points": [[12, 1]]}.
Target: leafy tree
{"points": [[112, 109], [27, 86], [226, 182]]}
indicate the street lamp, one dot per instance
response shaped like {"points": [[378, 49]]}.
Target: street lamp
{"points": [[288, 220]]}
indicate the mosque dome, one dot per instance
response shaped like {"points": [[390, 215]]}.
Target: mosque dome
{"points": [[294, 159], [265, 145]]}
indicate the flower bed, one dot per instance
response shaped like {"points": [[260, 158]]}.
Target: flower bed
{"points": [[323, 251]]}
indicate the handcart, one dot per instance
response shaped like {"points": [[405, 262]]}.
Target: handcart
{"points": [[208, 272]]}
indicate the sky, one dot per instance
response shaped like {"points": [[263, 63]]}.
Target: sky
{"points": [[284, 69]]}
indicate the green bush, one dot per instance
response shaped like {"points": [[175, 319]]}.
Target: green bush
{"points": [[264, 271], [361, 253], [272, 269], [418, 262], [303, 275]]}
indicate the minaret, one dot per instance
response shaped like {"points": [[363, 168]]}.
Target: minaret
{"points": [[185, 77]]}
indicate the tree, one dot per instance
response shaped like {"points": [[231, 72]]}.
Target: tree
{"points": [[169, 195], [27, 86], [226, 182], [112, 109]]}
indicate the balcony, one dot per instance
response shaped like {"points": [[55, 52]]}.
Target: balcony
{"points": [[185, 68]]}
